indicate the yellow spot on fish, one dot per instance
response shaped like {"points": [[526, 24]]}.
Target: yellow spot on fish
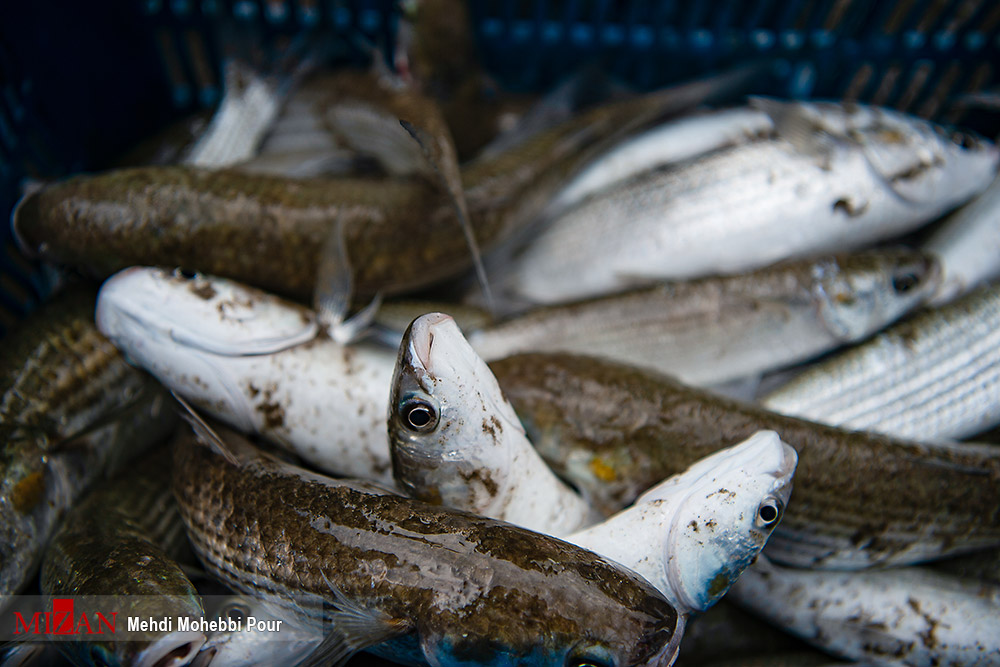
{"points": [[602, 470], [27, 493]]}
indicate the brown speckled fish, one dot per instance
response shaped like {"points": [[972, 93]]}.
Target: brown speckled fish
{"points": [[70, 406], [860, 499], [416, 583]]}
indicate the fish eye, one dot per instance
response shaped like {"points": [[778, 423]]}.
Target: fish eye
{"points": [[418, 415], [235, 611], [768, 513], [186, 274], [904, 282]]}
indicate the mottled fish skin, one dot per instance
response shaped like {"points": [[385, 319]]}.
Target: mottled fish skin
{"points": [[456, 441], [60, 378], [785, 314], [454, 586], [692, 535], [860, 499], [749, 206], [257, 362], [400, 235], [934, 376], [131, 523], [908, 616]]}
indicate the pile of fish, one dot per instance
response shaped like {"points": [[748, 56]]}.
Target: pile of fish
{"points": [[576, 425]]}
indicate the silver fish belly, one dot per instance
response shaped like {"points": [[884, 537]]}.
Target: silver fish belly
{"points": [[749, 206], [934, 376]]}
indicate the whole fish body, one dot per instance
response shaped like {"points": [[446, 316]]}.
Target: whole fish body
{"points": [[257, 362], [71, 408], [783, 314], [419, 584], [754, 204], [967, 245], [132, 523], [908, 616], [860, 499], [399, 235], [935, 376]]}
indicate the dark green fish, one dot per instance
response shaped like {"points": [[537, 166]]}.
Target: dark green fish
{"points": [[860, 499], [410, 581], [117, 542], [70, 408]]}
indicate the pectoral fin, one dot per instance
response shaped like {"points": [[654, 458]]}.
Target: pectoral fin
{"points": [[353, 628]]}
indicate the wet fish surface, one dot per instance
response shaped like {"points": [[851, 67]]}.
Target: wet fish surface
{"points": [[257, 362], [935, 376], [783, 314], [132, 523], [423, 584], [906, 616], [456, 441], [860, 499], [71, 409], [810, 190], [399, 235], [967, 246]]}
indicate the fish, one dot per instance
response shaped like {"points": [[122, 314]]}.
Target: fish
{"points": [[71, 411], [934, 376], [694, 534], [906, 615], [456, 441], [813, 188], [399, 235], [785, 314], [115, 545], [666, 144], [410, 581], [861, 499], [255, 361], [967, 245], [292, 643]]}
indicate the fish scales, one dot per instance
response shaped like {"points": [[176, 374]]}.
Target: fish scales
{"points": [[784, 313], [62, 379], [933, 376], [400, 235], [268, 527], [737, 209], [860, 499]]}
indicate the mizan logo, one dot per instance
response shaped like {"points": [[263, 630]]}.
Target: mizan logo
{"points": [[62, 621]]}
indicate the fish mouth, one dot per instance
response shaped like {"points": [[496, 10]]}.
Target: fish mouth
{"points": [[422, 332], [171, 650], [112, 316]]}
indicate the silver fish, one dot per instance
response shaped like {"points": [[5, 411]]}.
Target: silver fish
{"points": [[906, 616], [784, 314], [935, 376], [257, 362], [858, 176], [967, 246]]}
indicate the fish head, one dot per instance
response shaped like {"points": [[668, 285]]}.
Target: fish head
{"points": [[859, 294], [170, 650], [450, 427], [723, 509], [237, 646]]}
